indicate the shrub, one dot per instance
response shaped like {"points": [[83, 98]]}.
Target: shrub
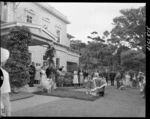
{"points": [[17, 65], [68, 78], [65, 80]]}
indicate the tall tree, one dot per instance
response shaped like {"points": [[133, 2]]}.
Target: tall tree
{"points": [[134, 60], [130, 27], [77, 45]]}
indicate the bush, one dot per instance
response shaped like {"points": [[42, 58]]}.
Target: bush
{"points": [[17, 65], [68, 79], [60, 80], [65, 80]]}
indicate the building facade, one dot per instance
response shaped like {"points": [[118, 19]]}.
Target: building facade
{"points": [[47, 25]]}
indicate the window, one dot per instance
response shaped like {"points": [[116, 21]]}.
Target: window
{"points": [[29, 15], [58, 35], [29, 19], [57, 62]]}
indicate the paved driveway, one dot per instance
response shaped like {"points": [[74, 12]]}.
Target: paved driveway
{"points": [[115, 103]]}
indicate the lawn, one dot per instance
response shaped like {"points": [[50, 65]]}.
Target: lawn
{"points": [[69, 92], [20, 95]]}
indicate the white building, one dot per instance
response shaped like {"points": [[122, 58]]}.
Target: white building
{"points": [[48, 26]]}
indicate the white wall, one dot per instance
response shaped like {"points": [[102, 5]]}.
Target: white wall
{"points": [[61, 53], [10, 16], [37, 53], [39, 14]]}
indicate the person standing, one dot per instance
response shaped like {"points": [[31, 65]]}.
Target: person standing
{"points": [[127, 77], [5, 89], [37, 74], [49, 71], [88, 84], [32, 74], [118, 79], [42, 74], [106, 75], [85, 74], [81, 78], [144, 87], [112, 77], [134, 84], [140, 77], [75, 78]]}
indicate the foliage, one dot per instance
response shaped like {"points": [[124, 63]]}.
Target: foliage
{"points": [[68, 78], [130, 27], [77, 45], [128, 33], [96, 38], [65, 80], [50, 54], [132, 59], [17, 65]]}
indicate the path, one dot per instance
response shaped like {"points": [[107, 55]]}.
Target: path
{"points": [[115, 103]]}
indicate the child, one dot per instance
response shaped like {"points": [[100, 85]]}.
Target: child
{"points": [[122, 84]]}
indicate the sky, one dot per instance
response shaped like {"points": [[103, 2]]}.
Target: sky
{"points": [[88, 17]]}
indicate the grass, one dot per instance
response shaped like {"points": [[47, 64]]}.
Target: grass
{"points": [[68, 92], [20, 95]]}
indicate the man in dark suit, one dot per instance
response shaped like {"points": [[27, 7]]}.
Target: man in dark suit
{"points": [[49, 71], [85, 74], [112, 77], [32, 74]]}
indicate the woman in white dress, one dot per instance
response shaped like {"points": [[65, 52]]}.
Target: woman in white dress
{"points": [[75, 78], [46, 82], [37, 74], [127, 77], [43, 74]]}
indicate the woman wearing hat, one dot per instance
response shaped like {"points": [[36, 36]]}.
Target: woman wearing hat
{"points": [[5, 88]]}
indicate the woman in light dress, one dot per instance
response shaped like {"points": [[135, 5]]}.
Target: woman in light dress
{"points": [[75, 78], [43, 74], [45, 82], [37, 74], [127, 77]]}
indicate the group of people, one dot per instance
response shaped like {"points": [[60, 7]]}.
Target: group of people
{"points": [[80, 76], [123, 80], [92, 81], [38, 73], [126, 80]]}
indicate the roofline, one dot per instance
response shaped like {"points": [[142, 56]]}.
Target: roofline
{"points": [[15, 23], [54, 12]]}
